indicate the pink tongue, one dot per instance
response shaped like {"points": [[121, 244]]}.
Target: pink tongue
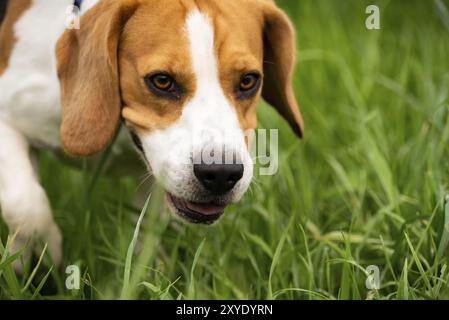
{"points": [[204, 208]]}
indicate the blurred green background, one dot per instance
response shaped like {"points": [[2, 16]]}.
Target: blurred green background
{"points": [[365, 187]]}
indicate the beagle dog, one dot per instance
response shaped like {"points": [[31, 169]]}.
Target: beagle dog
{"points": [[183, 76]]}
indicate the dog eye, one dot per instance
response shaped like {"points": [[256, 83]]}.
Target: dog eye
{"points": [[248, 85], [163, 85], [249, 81], [162, 82]]}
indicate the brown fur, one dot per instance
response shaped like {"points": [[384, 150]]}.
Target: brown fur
{"points": [[166, 49], [148, 36], [14, 11], [279, 61], [88, 72]]}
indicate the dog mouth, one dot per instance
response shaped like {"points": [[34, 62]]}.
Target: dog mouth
{"points": [[199, 213]]}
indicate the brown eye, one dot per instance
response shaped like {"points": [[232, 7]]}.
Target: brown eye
{"points": [[163, 85], [249, 81], [162, 82]]}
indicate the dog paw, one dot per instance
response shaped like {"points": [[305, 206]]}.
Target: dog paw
{"points": [[20, 244], [30, 221], [26, 244]]}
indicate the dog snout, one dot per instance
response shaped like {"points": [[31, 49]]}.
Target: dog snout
{"points": [[218, 178]]}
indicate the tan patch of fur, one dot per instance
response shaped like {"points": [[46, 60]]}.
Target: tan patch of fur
{"points": [[15, 10], [255, 35], [165, 47], [279, 62], [89, 77]]}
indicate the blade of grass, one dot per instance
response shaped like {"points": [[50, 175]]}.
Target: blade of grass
{"points": [[41, 284], [9, 273], [191, 289], [33, 273], [276, 258], [403, 285], [129, 255], [445, 237], [418, 263]]}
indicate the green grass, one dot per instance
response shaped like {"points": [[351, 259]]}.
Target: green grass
{"points": [[366, 187]]}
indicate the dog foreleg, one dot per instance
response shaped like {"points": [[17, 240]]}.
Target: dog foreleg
{"points": [[24, 204]]}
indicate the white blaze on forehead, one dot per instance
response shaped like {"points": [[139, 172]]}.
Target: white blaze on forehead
{"points": [[201, 40], [214, 115]]}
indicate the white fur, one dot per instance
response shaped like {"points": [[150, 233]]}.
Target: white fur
{"points": [[87, 4], [24, 204], [30, 89], [30, 97], [208, 120], [30, 115]]}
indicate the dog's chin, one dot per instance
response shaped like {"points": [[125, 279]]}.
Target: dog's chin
{"points": [[199, 213]]}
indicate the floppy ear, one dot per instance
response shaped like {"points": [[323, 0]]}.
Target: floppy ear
{"points": [[279, 61], [88, 73]]}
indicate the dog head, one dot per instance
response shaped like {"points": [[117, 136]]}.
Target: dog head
{"points": [[186, 77]]}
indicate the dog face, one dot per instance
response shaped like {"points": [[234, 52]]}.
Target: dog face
{"points": [[186, 77]]}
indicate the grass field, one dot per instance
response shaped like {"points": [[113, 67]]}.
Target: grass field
{"points": [[366, 187]]}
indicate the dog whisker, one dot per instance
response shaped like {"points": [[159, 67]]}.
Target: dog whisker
{"points": [[145, 178]]}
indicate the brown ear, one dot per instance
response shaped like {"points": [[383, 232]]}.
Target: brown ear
{"points": [[88, 73], [279, 61]]}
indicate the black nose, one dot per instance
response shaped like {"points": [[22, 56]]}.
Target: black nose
{"points": [[218, 178]]}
